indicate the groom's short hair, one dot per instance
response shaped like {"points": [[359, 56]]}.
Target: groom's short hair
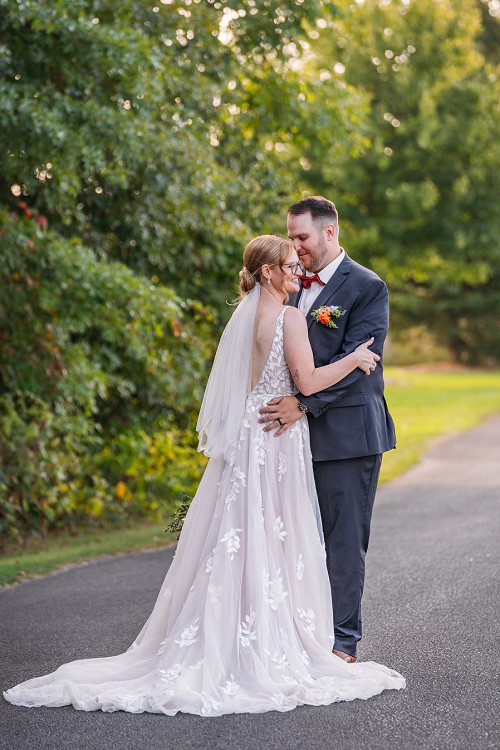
{"points": [[320, 209]]}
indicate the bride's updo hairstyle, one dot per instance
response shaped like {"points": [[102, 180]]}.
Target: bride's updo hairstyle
{"points": [[264, 250]]}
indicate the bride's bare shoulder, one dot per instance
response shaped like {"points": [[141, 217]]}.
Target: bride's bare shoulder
{"points": [[295, 325], [294, 316]]}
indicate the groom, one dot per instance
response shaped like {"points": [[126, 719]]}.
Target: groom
{"points": [[349, 423]]}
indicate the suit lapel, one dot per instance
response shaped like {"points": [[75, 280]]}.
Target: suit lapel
{"points": [[329, 289]]}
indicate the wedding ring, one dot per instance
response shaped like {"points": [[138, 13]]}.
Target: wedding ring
{"points": [[280, 422]]}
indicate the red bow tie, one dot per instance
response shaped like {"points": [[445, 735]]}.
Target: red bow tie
{"points": [[308, 280]]}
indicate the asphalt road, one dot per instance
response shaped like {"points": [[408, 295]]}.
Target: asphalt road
{"points": [[430, 611]]}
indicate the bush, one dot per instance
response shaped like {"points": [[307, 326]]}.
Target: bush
{"points": [[93, 356]]}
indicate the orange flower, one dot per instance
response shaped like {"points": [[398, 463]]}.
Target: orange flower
{"points": [[325, 315], [120, 489], [176, 328]]}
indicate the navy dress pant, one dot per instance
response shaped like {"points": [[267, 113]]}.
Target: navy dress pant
{"points": [[346, 491]]}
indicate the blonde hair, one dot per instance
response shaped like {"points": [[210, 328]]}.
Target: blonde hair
{"points": [[267, 249]]}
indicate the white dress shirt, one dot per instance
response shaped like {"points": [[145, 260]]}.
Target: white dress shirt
{"points": [[308, 296]]}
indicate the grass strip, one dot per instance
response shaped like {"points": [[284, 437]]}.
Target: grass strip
{"points": [[42, 556], [427, 404]]}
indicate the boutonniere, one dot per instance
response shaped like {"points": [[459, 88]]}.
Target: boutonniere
{"points": [[325, 315]]}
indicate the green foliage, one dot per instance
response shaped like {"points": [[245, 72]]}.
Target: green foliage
{"points": [[142, 130], [419, 203], [141, 146], [160, 463], [176, 522], [93, 357]]}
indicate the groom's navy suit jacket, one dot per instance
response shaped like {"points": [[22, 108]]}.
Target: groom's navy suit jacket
{"points": [[351, 418]]}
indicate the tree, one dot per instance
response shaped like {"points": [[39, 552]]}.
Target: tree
{"points": [[95, 363], [141, 146], [419, 202], [141, 128]]}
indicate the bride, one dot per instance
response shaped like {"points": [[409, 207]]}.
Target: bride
{"points": [[243, 621]]}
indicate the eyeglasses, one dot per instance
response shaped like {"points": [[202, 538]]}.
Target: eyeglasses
{"points": [[294, 267]]}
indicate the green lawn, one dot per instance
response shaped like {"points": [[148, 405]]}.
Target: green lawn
{"points": [[44, 556], [425, 404]]}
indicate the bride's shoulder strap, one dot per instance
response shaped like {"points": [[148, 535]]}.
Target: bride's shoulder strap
{"points": [[280, 320]]}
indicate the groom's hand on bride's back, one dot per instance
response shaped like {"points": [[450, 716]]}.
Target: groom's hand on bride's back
{"points": [[280, 414]]}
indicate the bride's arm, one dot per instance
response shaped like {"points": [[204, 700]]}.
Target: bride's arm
{"points": [[299, 357]]}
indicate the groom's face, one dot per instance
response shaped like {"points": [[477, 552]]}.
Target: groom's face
{"points": [[310, 243]]}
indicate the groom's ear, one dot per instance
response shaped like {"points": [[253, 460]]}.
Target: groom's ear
{"points": [[331, 231]]}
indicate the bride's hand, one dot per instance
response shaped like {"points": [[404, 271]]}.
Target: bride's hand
{"points": [[366, 360]]}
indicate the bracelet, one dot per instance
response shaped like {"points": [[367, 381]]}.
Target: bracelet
{"points": [[302, 407]]}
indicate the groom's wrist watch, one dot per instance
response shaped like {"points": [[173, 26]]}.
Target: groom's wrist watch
{"points": [[301, 406]]}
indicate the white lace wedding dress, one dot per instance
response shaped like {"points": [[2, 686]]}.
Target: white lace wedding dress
{"points": [[243, 621]]}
